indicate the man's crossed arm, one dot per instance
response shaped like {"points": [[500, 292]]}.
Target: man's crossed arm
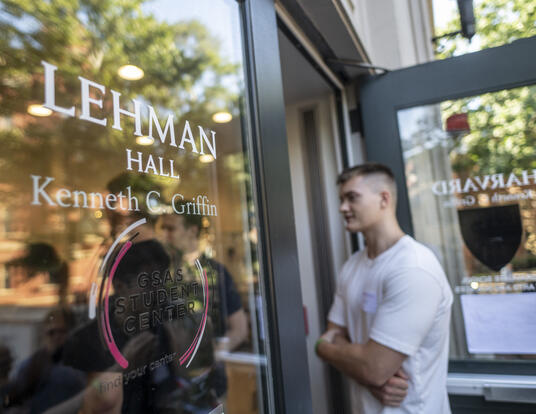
{"points": [[373, 365]]}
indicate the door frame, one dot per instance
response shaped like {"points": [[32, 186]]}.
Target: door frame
{"points": [[311, 51], [382, 96], [273, 196]]}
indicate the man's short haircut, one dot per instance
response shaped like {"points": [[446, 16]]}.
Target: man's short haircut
{"points": [[140, 186], [370, 169], [190, 220], [61, 313], [146, 256]]}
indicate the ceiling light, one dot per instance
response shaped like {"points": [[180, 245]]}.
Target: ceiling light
{"points": [[39, 110], [206, 158], [222, 117], [130, 72], [144, 140]]}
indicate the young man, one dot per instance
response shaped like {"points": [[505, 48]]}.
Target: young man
{"points": [[388, 327], [182, 234]]}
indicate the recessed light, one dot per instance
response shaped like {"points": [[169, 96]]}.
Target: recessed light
{"points": [[130, 72], [206, 158], [144, 140], [38, 110], [222, 117]]}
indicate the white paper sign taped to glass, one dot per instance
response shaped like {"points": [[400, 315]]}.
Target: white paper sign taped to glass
{"points": [[500, 324]]}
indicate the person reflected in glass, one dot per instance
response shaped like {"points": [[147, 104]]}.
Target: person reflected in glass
{"points": [[39, 264], [42, 380], [182, 235], [151, 325], [6, 363], [151, 329], [124, 212]]}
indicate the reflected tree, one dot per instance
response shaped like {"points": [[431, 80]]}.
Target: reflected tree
{"points": [[503, 124], [184, 75], [502, 134]]}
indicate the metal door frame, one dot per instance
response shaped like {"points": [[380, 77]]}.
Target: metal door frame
{"points": [[475, 384], [381, 96], [273, 195]]}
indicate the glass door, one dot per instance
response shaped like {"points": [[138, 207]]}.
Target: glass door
{"points": [[461, 134], [131, 277], [469, 170]]}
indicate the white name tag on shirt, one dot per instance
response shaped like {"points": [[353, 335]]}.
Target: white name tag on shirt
{"points": [[370, 302]]}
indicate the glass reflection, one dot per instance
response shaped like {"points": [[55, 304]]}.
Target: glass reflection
{"points": [[127, 227], [471, 181]]}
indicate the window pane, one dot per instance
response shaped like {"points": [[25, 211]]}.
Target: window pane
{"points": [[495, 23], [128, 233], [471, 178]]}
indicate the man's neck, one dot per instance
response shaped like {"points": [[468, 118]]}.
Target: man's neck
{"points": [[381, 238], [145, 232], [191, 256]]}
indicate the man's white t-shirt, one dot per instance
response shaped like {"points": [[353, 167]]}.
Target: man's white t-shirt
{"points": [[402, 300]]}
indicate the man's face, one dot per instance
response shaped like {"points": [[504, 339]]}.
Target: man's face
{"points": [[360, 204], [173, 232], [55, 334], [119, 218]]}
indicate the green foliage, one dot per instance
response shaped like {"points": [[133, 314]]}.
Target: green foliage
{"points": [[503, 132], [503, 124], [497, 22], [184, 75]]}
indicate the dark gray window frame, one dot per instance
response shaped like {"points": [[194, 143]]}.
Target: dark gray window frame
{"points": [[279, 255], [489, 70]]}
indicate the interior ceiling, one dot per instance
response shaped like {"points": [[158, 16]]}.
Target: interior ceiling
{"points": [[301, 81]]}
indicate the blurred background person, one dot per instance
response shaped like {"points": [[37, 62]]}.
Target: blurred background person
{"points": [[39, 264], [120, 217], [42, 380], [6, 362], [181, 234]]}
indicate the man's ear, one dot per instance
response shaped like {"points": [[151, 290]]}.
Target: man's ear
{"points": [[385, 199]]}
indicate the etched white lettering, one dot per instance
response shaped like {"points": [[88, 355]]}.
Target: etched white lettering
{"points": [[61, 194], [117, 110], [50, 93], [203, 138], [497, 180], [512, 180], [153, 119], [190, 139], [110, 201], [483, 184], [39, 190], [149, 201], [76, 196], [150, 165], [469, 186], [455, 186], [440, 188], [87, 100], [130, 160]]}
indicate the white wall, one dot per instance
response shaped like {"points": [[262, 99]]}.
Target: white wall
{"points": [[395, 33], [329, 167]]}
